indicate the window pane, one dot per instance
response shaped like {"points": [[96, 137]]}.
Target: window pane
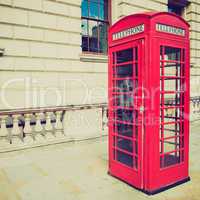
{"points": [[84, 27], [94, 11], [125, 55], [169, 159], [124, 115], [124, 71], [84, 35], [93, 28], [84, 8], [172, 53], [103, 37], [124, 85], [85, 43], [124, 100], [125, 144], [93, 36], [124, 129], [125, 158], [103, 11], [176, 9]]}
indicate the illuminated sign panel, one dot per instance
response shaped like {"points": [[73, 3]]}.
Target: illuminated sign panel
{"points": [[128, 32], [170, 29]]}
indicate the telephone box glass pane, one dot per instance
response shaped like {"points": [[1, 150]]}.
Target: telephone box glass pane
{"points": [[124, 130], [172, 105], [171, 53], [125, 144], [125, 56], [124, 85], [124, 115], [124, 71], [124, 158], [123, 100]]}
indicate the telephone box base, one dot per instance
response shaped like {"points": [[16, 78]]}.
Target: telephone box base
{"points": [[166, 187], [153, 192]]}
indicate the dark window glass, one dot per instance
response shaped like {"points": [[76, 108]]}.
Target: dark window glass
{"points": [[124, 115], [176, 10], [125, 144], [93, 36], [103, 29], [124, 85], [125, 55], [177, 7], [171, 53], [169, 159], [125, 158], [84, 26], [124, 71], [123, 100], [124, 129], [94, 25]]}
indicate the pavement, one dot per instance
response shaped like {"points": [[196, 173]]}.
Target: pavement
{"points": [[78, 171]]}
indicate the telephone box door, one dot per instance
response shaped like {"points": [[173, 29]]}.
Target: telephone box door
{"points": [[125, 115]]}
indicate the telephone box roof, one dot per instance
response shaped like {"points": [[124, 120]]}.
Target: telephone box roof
{"points": [[150, 15]]}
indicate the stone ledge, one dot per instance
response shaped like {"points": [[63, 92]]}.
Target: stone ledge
{"points": [[93, 58]]}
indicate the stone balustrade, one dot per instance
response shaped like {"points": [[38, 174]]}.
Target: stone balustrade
{"points": [[195, 108], [36, 127], [33, 127]]}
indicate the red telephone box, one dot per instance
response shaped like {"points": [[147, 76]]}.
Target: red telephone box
{"points": [[149, 100]]}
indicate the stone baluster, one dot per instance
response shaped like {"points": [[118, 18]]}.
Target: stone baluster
{"points": [[38, 126], [192, 107], [3, 130], [58, 125], [104, 121], [27, 127], [16, 129], [198, 106], [104, 118], [195, 106], [48, 126]]}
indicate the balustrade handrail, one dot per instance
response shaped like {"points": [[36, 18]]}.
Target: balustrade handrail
{"points": [[51, 109], [63, 108]]}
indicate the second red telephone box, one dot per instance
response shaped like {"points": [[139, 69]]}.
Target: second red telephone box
{"points": [[149, 100]]}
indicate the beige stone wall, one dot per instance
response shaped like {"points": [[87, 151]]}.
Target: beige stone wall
{"points": [[193, 17], [122, 8], [43, 64]]}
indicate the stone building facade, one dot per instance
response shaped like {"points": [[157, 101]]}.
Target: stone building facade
{"points": [[43, 65]]}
